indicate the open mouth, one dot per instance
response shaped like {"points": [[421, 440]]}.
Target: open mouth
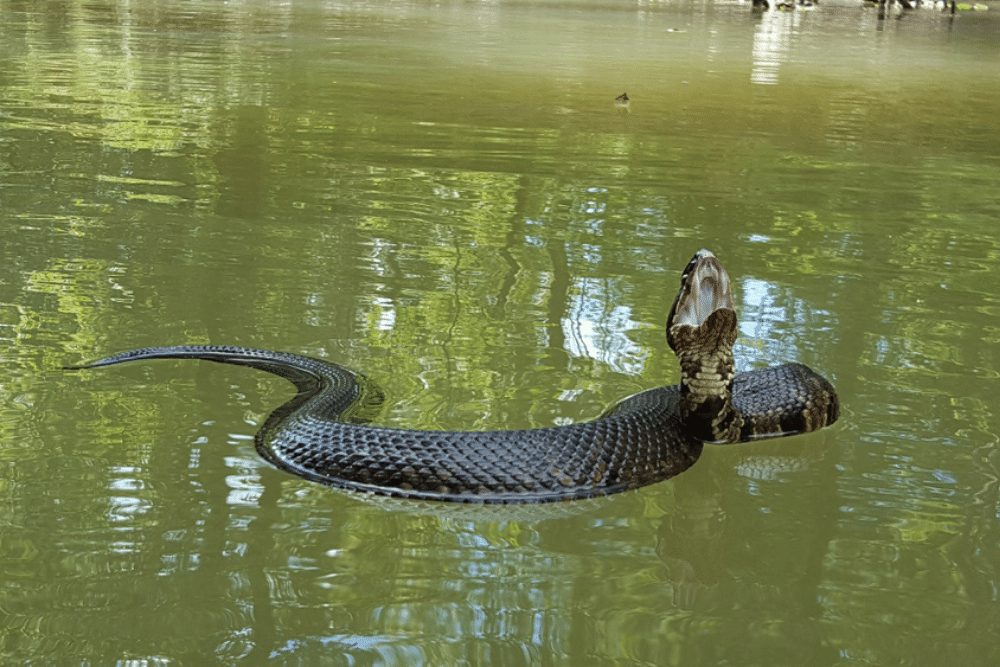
{"points": [[704, 289]]}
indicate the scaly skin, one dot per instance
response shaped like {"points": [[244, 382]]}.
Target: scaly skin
{"points": [[645, 438]]}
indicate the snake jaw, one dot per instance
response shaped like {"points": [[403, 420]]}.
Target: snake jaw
{"points": [[705, 289]]}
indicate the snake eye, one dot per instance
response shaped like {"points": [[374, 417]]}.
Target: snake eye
{"points": [[690, 267]]}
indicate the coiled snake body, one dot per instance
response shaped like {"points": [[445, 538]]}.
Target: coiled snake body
{"points": [[643, 439]]}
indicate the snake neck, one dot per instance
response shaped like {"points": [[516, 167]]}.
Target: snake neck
{"points": [[705, 353]]}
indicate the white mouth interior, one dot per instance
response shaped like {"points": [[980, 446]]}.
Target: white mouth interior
{"points": [[706, 290]]}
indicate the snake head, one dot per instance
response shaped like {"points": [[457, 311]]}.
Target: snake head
{"points": [[705, 289], [701, 330]]}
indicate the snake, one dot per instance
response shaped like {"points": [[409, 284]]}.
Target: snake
{"points": [[324, 433]]}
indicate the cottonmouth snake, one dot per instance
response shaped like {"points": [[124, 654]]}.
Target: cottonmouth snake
{"points": [[645, 438]]}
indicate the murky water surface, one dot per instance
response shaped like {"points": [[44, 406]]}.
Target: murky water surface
{"points": [[445, 196]]}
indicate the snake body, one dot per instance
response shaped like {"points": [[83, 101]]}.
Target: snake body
{"points": [[645, 438]]}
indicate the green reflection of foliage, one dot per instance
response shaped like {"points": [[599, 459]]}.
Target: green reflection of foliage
{"points": [[213, 173]]}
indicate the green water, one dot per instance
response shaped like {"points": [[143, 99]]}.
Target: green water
{"points": [[444, 196]]}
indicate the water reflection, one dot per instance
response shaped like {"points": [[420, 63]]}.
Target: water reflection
{"points": [[597, 330], [445, 198], [771, 45]]}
